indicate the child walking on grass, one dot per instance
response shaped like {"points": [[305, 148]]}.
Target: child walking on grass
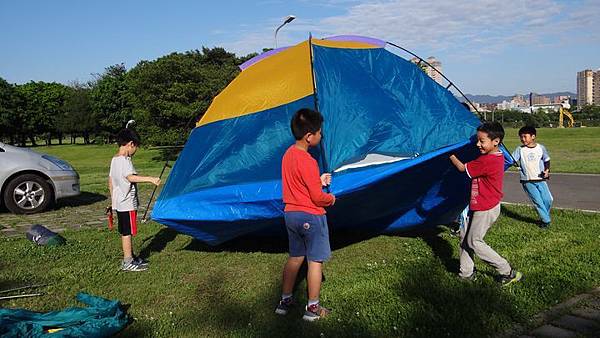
{"points": [[486, 173], [305, 220], [122, 182]]}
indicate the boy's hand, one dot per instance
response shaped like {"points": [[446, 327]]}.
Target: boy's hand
{"points": [[155, 181], [546, 173], [325, 179], [332, 203]]}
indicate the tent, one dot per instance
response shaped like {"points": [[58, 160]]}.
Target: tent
{"points": [[387, 134]]}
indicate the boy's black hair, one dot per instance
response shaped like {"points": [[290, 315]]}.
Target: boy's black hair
{"points": [[306, 121], [527, 130], [493, 129], [127, 135]]}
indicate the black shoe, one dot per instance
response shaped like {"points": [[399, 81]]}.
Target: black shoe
{"points": [[544, 225]]}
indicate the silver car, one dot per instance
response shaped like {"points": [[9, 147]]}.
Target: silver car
{"points": [[30, 182]]}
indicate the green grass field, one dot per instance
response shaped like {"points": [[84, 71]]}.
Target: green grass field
{"points": [[572, 150], [382, 286]]}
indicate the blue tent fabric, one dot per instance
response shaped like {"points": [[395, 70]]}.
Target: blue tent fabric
{"points": [[226, 182], [101, 318], [376, 102]]}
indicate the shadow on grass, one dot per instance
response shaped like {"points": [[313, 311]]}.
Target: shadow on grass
{"points": [[275, 244], [518, 217], [157, 242], [440, 247], [85, 198], [225, 314], [449, 307]]}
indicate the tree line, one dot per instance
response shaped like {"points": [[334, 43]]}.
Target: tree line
{"points": [[165, 97], [588, 115]]}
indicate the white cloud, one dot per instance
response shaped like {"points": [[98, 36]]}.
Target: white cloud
{"points": [[486, 26]]}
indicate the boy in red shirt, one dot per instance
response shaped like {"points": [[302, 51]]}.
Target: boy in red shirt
{"points": [[305, 219], [486, 173]]}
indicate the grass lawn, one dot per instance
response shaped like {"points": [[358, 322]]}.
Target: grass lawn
{"points": [[383, 286], [378, 287], [572, 150]]}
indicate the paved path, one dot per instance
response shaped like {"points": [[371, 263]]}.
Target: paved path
{"points": [[576, 317], [571, 191]]}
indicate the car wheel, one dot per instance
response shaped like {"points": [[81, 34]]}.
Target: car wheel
{"points": [[27, 194]]}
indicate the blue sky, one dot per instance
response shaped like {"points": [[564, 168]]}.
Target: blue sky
{"points": [[486, 47]]}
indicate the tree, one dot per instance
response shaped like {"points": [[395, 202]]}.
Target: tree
{"points": [[10, 103], [110, 100], [78, 118], [171, 91], [43, 103]]}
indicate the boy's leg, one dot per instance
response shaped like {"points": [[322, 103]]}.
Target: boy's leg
{"points": [[290, 272], [480, 224], [531, 188], [318, 251], [127, 228], [467, 266], [127, 250], [313, 279], [547, 200]]}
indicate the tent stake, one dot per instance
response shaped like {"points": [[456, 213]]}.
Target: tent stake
{"points": [[21, 296]]}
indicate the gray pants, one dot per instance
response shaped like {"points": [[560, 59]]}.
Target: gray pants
{"points": [[471, 241]]}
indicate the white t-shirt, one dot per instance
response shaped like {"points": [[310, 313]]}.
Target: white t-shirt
{"points": [[124, 193], [531, 161]]}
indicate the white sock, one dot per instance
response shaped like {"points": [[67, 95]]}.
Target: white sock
{"points": [[285, 296], [313, 302]]}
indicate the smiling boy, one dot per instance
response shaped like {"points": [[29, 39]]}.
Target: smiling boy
{"points": [[534, 164], [486, 174]]}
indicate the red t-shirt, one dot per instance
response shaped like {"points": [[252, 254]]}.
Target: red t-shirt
{"points": [[486, 173], [301, 183]]}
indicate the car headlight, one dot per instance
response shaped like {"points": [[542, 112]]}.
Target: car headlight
{"points": [[63, 165]]}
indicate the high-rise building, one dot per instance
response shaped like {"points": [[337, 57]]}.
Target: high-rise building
{"points": [[585, 88], [596, 88], [436, 73]]}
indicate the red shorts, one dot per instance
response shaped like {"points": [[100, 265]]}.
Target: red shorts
{"points": [[127, 222]]}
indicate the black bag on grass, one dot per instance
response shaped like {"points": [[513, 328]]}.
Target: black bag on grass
{"points": [[41, 235]]}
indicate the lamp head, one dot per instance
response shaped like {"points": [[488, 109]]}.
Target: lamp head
{"points": [[289, 19]]}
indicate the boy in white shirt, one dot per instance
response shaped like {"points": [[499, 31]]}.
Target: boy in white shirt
{"points": [[124, 196], [534, 163]]}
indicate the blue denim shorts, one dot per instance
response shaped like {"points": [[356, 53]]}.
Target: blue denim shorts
{"points": [[308, 236]]}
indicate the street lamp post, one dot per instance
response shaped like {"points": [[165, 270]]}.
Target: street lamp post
{"points": [[287, 20]]}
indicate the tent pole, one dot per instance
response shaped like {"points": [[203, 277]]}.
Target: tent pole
{"points": [[312, 74], [144, 219], [451, 84]]}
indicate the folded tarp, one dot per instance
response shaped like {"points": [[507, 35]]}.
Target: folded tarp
{"points": [[101, 318]]}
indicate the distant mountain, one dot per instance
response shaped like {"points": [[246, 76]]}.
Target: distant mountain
{"points": [[500, 98]]}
